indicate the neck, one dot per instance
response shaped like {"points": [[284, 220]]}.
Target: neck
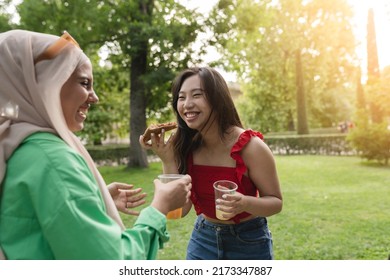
{"points": [[212, 139]]}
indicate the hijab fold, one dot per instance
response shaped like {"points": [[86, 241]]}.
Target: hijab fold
{"points": [[36, 90]]}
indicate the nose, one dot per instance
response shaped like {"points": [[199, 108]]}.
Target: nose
{"points": [[188, 103], [93, 98]]}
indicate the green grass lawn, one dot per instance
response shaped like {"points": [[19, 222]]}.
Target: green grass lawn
{"points": [[335, 208]]}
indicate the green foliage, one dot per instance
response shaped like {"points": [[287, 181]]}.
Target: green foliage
{"points": [[165, 36], [310, 144], [112, 87], [370, 137], [148, 41], [97, 127], [4, 23], [261, 50], [322, 143], [108, 153], [5, 17], [83, 19], [378, 92], [371, 140], [254, 112]]}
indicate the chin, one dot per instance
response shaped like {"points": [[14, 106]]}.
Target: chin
{"points": [[76, 128]]}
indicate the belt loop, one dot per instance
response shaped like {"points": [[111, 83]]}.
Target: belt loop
{"points": [[233, 230], [202, 220]]}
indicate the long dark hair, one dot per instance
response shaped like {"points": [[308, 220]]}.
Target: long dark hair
{"points": [[218, 96]]}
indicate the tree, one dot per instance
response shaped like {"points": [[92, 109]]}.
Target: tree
{"points": [[5, 18], [384, 92], [261, 45], [148, 40], [360, 98], [163, 31], [373, 71], [371, 137], [110, 118], [301, 102]]}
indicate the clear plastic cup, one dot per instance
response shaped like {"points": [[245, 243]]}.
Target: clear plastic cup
{"points": [[165, 178], [222, 187]]}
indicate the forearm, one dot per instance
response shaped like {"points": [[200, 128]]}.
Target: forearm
{"points": [[263, 206]]}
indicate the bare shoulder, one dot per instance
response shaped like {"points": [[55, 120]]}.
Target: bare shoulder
{"points": [[256, 150]]}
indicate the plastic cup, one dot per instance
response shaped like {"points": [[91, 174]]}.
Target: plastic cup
{"points": [[165, 178], [220, 188]]}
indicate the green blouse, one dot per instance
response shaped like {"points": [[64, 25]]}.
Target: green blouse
{"points": [[51, 208]]}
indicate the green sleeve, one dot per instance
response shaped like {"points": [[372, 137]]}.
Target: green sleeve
{"points": [[71, 212], [87, 232], [150, 231]]}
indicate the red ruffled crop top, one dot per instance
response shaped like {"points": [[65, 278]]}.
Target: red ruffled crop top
{"points": [[203, 177]]}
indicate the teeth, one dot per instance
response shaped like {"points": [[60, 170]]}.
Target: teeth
{"points": [[84, 114], [191, 115]]}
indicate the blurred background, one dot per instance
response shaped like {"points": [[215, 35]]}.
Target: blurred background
{"points": [[294, 67]]}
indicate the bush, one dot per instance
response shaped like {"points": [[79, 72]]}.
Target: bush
{"points": [[113, 154], [372, 141], [310, 144], [313, 144], [109, 153]]}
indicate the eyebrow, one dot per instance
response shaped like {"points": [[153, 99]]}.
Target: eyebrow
{"points": [[192, 90], [84, 77]]}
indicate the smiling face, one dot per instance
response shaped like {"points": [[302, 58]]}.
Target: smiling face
{"points": [[76, 96], [192, 104]]}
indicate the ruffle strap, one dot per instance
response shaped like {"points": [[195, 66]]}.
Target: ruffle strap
{"points": [[238, 146]]}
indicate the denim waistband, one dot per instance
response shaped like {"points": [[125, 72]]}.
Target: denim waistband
{"points": [[246, 225]]}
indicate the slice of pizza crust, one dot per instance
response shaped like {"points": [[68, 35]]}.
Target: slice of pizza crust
{"points": [[156, 128]]}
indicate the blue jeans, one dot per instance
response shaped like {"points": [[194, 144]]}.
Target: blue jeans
{"points": [[249, 240]]}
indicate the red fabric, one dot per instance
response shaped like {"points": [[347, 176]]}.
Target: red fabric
{"points": [[203, 177]]}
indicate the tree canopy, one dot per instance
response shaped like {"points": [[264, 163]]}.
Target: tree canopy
{"points": [[147, 42], [262, 43], [295, 59]]}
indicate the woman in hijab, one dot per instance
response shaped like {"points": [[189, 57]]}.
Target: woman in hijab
{"points": [[54, 203]]}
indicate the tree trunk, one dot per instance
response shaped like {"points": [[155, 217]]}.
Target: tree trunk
{"points": [[360, 99], [301, 102], [290, 121], [137, 155], [139, 60], [373, 72]]}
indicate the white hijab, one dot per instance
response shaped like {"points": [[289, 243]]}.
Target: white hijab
{"points": [[36, 89]]}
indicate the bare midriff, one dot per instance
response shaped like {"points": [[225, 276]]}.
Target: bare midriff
{"points": [[228, 222]]}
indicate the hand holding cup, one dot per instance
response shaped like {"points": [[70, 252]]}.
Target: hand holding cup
{"points": [[172, 192]]}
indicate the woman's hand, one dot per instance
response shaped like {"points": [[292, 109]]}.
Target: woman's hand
{"points": [[172, 195], [231, 204], [126, 197]]}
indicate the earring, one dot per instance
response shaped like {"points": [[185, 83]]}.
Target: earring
{"points": [[9, 111]]}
